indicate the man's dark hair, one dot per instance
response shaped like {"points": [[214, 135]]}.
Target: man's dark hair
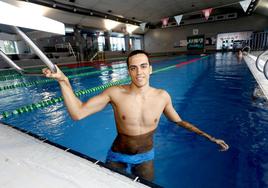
{"points": [[135, 52]]}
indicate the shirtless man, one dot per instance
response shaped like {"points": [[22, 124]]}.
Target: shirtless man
{"points": [[137, 109]]}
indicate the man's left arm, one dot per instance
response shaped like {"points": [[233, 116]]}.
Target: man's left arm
{"points": [[173, 116]]}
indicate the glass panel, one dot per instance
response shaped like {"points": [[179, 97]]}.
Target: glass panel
{"points": [[8, 46], [117, 43], [101, 43], [137, 44]]}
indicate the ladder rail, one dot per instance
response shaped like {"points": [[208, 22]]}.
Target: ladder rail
{"points": [[10, 62], [92, 58], [16, 67], [258, 65], [265, 69], [37, 51]]}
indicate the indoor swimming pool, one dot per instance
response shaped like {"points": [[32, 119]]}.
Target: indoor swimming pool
{"points": [[213, 92]]}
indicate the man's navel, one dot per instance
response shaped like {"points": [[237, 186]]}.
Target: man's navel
{"points": [[123, 117]]}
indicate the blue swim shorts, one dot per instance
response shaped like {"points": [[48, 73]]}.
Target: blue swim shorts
{"points": [[130, 159]]}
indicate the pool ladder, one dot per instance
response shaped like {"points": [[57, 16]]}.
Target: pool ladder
{"points": [[260, 66], [36, 50]]}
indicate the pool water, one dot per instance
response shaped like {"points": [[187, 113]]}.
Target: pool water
{"points": [[213, 93]]}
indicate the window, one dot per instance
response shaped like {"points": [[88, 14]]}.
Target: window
{"points": [[137, 44], [117, 43], [8, 46], [101, 43]]}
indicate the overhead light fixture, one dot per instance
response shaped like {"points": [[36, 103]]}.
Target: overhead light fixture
{"points": [[12, 15], [130, 28], [110, 24], [69, 29]]}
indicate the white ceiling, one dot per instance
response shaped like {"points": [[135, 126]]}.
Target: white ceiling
{"points": [[150, 11]]}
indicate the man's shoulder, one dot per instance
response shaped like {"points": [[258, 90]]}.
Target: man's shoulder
{"points": [[161, 92], [118, 88]]}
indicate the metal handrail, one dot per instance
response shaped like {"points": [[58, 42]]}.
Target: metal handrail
{"points": [[245, 47], [265, 69], [10, 62], [66, 45], [37, 51], [16, 67], [92, 58], [258, 60]]}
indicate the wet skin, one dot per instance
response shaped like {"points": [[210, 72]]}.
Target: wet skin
{"points": [[137, 110], [132, 145]]}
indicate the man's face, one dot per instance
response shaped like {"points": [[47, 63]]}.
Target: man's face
{"points": [[139, 70]]}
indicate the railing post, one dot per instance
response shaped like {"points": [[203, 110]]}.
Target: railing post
{"points": [[265, 69], [258, 60], [37, 51], [10, 62], [246, 47]]}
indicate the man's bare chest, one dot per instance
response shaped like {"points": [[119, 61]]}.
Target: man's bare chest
{"points": [[138, 107]]}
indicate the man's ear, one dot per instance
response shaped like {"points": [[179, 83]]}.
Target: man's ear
{"points": [[151, 69]]}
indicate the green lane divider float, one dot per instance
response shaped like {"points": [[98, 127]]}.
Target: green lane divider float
{"points": [[44, 81], [52, 101], [45, 103], [7, 72], [11, 72], [13, 75], [19, 76]]}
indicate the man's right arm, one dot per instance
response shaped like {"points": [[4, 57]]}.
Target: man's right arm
{"points": [[172, 115], [75, 107]]}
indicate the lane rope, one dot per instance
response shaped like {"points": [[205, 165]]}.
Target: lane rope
{"points": [[45, 81], [45, 103], [13, 75], [49, 80], [16, 75]]}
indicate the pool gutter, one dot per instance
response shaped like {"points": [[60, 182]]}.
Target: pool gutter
{"points": [[28, 160], [250, 59]]}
